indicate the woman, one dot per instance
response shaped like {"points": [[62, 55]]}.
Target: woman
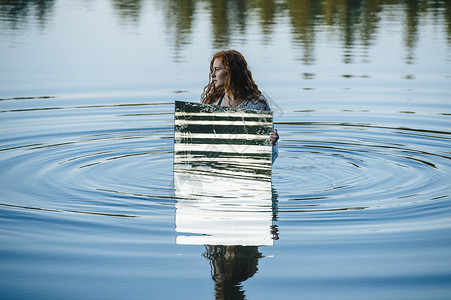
{"points": [[231, 84]]}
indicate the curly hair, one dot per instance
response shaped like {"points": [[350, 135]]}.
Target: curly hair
{"points": [[238, 81]]}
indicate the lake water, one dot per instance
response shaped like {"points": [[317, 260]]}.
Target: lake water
{"points": [[361, 191]]}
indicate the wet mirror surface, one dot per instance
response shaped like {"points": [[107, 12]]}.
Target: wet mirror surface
{"points": [[358, 206], [222, 175]]}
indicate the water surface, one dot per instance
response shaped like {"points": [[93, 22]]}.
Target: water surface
{"points": [[360, 192]]}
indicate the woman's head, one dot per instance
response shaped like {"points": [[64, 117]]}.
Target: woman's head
{"points": [[229, 72]]}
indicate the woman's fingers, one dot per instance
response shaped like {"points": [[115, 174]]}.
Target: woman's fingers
{"points": [[273, 137]]}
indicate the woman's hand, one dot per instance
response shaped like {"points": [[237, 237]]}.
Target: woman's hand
{"points": [[273, 137]]}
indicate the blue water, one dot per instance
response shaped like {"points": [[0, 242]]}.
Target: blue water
{"points": [[361, 96]]}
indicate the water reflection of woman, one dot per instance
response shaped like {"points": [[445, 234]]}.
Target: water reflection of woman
{"points": [[230, 266], [233, 264], [231, 84]]}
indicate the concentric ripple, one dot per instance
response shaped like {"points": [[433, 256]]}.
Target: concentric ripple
{"points": [[393, 173], [105, 159], [87, 191], [116, 159]]}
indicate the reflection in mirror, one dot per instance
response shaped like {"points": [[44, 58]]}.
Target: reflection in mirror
{"points": [[222, 175], [217, 210]]}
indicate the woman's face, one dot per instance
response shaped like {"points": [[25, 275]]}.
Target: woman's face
{"points": [[218, 74]]}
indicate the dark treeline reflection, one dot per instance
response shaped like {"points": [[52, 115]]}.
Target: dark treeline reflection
{"points": [[179, 17], [129, 11], [16, 12], [354, 22]]}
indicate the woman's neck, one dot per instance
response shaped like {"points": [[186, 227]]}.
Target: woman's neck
{"points": [[231, 100]]}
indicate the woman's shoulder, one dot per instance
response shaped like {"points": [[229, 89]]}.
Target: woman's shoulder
{"points": [[261, 103]]}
